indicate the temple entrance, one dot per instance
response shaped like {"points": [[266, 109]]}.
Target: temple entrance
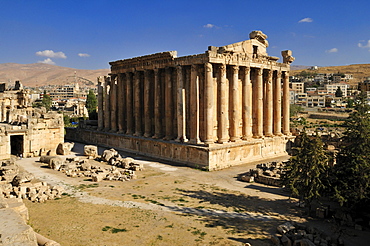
{"points": [[16, 144]]}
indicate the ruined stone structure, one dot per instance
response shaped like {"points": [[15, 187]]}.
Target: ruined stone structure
{"points": [[227, 106], [24, 130]]}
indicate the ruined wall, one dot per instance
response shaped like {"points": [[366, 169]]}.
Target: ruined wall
{"points": [[208, 158]]}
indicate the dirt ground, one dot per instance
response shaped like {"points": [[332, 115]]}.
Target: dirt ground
{"points": [[165, 205]]}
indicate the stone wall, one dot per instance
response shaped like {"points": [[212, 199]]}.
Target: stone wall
{"points": [[208, 158]]}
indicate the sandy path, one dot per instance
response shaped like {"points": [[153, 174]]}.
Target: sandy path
{"points": [[224, 179]]}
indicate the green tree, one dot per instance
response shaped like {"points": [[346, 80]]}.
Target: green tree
{"points": [[350, 103], [91, 105], [46, 101], [306, 173], [295, 109], [338, 92], [352, 171]]}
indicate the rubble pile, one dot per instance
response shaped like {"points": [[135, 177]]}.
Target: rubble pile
{"points": [[291, 233], [120, 169], [265, 173], [17, 184]]}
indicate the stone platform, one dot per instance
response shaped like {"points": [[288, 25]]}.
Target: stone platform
{"points": [[212, 157]]}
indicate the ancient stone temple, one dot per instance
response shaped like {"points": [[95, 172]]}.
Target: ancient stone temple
{"points": [[25, 130], [224, 107]]}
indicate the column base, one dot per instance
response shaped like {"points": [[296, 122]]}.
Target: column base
{"points": [[209, 141], [235, 139], [222, 141], [147, 135], [156, 136], [128, 132], [120, 132], [113, 130], [194, 141], [138, 134], [247, 137]]}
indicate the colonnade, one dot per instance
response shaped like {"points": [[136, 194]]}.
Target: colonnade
{"points": [[199, 103]]}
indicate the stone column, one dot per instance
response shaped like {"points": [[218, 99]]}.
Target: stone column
{"points": [[223, 136], [286, 127], [100, 103], [194, 105], [209, 103], [277, 104], [259, 103], [246, 104], [181, 114], [120, 102], [137, 104], [113, 105], [157, 105], [168, 105], [268, 106], [129, 104], [234, 107], [147, 119], [3, 112], [107, 91]]}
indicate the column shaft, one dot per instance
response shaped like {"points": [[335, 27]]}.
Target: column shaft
{"points": [[247, 104], [120, 103], [137, 104], [223, 136], [259, 103], [277, 104], [147, 119], [286, 127], [100, 103], [113, 105], [268, 106], [209, 103], [157, 105], [168, 105], [181, 113], [194, 105], [129, 104], [234, 107], [107, 91]]}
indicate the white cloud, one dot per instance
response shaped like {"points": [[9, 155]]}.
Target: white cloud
{"points": [[47, 61], [367, 45], [51, 54], [333, 50], [83, 55], [209, 26], [306, 20]]}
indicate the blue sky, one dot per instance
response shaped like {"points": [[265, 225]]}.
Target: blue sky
{"points": [[89, 34]]}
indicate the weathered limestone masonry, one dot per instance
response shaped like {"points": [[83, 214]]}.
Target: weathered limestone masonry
{"points": [[227, 106], [24, 130]]}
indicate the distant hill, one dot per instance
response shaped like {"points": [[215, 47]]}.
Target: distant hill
{"points": [[39, 74], [298, 67], [359, 71]]}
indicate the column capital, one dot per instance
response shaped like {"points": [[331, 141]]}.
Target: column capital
{"points": [[235, 68]]}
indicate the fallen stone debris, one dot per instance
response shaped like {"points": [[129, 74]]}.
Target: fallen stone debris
{"points": [[291, 233], [265, 173], [17, 184], [120, 169]]}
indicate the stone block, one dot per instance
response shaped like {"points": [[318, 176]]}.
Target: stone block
{"points": [[65, 148], [284, 228], [286, 241], [91, 150]]}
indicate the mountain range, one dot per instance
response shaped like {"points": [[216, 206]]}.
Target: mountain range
{"points": [[39, 74]]}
